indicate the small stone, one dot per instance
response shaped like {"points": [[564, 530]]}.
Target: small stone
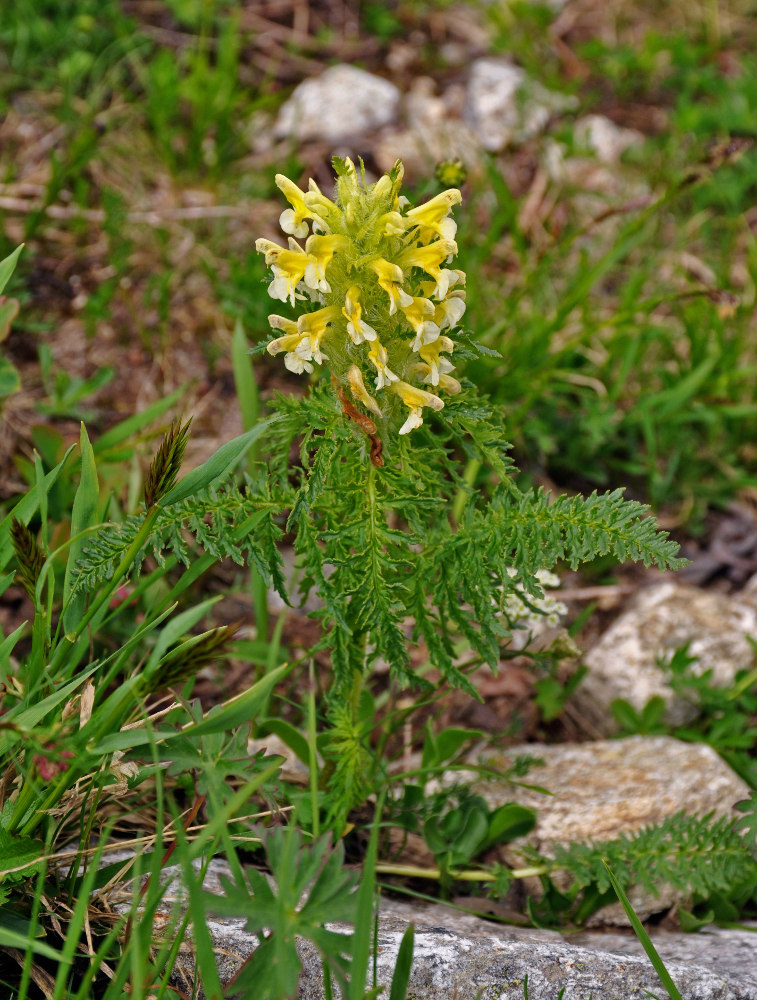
{"points": [[661, 619], [504, 106], [340, 104], [607, 140]]}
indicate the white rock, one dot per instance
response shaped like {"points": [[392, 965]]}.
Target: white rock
{"points": [[607, 140], [503, 105], [603, 789], [458, 956], [624, 662], [341, 103]]}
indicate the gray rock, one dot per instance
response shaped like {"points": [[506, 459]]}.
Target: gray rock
{"points": [[504, 106], [603, 789], [342, 103], [607, 140], [624, 662], [459, 957]]}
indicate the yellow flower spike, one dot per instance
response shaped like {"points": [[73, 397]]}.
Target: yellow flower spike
{"points": [[432, 355], [359, 392], [369, 254], [390, 278], [314, 325], [292, 220], [420, 315], [429, 259], [320, 250], [415, 399], [378, 358], [432, 216], [352, 311]]}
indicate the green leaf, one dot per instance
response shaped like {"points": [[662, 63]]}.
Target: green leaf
{"points": [[19, 856], [309, 888], [508, 822], [646, 941], [217, 466], [10, 938], [177, 627], [8, 312], [244, 378], [29, 717], [83, 517], [240, 710], [403, 965], [8, 266], [625, 715], [25, 509], [10, 380], [289, 735], [364, 913]]}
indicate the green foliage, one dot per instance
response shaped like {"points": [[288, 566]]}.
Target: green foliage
{"points": [[696, 855], [429, 572], [309, 887], [10, 380], [703, 858]]}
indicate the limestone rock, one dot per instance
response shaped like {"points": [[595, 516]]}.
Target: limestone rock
{"points": [[623, 663], [504, 106], [459, 957], [342, 103], [603, 789]]}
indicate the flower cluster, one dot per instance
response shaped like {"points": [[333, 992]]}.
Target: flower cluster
{"points": [[375, 269], [539, 611]]}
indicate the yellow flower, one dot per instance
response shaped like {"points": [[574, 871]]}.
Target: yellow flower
{"points": [[449, 384], [270, 249], [357, 328], [292, 220], [449, 311], [415, 399], [378, 358], [357, 387], [392, 224], [390, 278], [323, 208], [320, 250], [432, 216], [296, 345], [420, 315], [432, 355], [430, 259], [314, 325], [288, 267]]}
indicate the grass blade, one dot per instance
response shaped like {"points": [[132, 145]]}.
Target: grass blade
{"points": [[641, 934], [403, 965]]}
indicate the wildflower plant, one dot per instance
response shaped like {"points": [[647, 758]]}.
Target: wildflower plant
{"points": [[402, 549]]}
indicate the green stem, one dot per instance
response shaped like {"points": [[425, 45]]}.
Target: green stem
{"points": [[416, 871]]}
